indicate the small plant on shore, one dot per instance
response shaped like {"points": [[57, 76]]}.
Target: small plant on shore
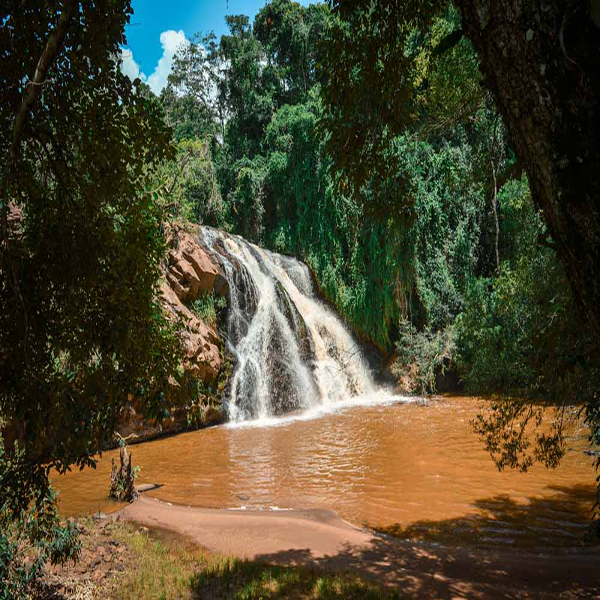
{"points": [[122, 478]]}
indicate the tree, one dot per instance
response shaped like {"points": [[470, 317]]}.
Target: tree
{"points": [[290, 34], [188, 188], [191, 98], [248, 87], [81, 327], [542, 67], [540, 63]]}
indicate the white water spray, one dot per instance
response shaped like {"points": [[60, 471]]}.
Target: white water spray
{"points": [[292, 353]]}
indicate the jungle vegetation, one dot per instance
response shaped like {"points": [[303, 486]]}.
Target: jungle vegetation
{"points": [[367, 141], [379, 145], [81, 326]]}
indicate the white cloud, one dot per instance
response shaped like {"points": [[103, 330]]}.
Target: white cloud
{"points": [[171, 41], [129, 67]]}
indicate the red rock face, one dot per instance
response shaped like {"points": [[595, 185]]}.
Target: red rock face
{"points": [[190, 272], [200, 341]]}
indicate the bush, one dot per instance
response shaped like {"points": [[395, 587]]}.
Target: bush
{"points": [[421, 356], [31, 533], [209, 309], [521, 333]]}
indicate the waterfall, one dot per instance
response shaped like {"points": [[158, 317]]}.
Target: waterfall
{"points": [[292, 353]]}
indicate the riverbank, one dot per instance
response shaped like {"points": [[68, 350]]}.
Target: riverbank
{"points": [[123, 560], [418, 570], [155, 549]]}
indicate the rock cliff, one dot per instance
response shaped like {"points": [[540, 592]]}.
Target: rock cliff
{"points": [[190, 273]]}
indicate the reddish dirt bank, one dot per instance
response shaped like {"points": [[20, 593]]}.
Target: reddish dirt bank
{"points": [[321, 538]]}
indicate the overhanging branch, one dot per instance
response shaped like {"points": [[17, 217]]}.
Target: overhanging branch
{"points": [[53, 47]]}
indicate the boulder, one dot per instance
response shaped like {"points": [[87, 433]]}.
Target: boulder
{"points": [[191, 270]]}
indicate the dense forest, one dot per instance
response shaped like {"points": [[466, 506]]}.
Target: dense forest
{"points": [[429, 245], [366, 144]]}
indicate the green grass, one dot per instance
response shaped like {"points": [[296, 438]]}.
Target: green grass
{"points": [[247, 580], [208, 308], [169, 568]]}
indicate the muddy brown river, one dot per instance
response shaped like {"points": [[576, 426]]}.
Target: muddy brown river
{"points": [[415, 469]]}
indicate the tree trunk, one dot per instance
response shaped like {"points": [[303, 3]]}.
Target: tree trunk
{"points": [[541, 61]]}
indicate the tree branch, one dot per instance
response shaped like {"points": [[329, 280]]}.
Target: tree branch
{"points": [[53, 47]]}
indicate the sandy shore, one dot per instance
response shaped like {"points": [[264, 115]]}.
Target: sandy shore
{"points": [[423, 570]]}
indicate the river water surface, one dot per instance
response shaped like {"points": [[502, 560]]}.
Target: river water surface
{"points": [[414, 468]]}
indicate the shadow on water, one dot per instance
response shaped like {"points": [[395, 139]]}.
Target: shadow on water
{"points": [[473, 556], [560, 520]]}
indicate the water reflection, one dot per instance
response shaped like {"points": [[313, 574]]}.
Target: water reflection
{"points": [[409, 466]]}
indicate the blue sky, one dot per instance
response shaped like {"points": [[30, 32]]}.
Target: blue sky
{"points": [[159, 27]]}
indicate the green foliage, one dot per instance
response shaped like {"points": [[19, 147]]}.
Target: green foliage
{"points": [[368, 91], [247, 88], [188, 187], [209, 309], [246, 198], [193, 108], [445, 235], [81, 326], [421, 356], [520, 332], [375, 270], [290, 34], [84, 270], [31, 533], [276, 188], [445, 74], [306, 218]]}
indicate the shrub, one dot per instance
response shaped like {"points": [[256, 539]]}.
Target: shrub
{"points": [[421, 356], [31, 533], [209, 309]]}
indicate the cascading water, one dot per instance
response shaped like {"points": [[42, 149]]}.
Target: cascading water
{"points": [[292, 353]]}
